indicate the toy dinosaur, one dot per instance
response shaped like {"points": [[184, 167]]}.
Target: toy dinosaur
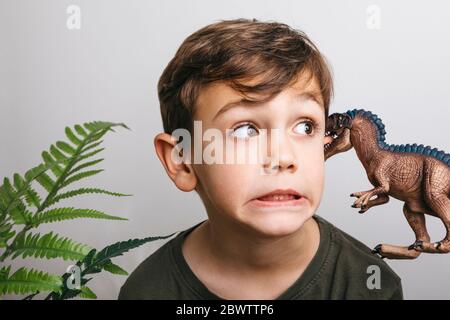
{"points": [[417, 175]]}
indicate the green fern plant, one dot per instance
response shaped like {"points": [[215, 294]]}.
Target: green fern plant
{"points": [[23, 209]]}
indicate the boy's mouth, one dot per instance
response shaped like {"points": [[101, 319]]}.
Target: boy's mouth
{"points": [[279, 197]]}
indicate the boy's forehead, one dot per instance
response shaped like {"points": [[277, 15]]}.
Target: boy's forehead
{"points": [[215, 97]]}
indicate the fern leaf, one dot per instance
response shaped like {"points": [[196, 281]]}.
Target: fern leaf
{"points": [[80, 176], [72, 137], [119, 248], [4, 202], [81, 191], [60, 214], [20, 214], [49, 246], [48, 159], [88, 155], [9, 198], [79, 129], [99, 125], [19, 182], [46, 182], [91, 146], [85, 165], [67, 148], [25, 281], [6, 233], [58, 154], [87, 293], [10, 193], [115, 269], [18, 210], [32, 197]]}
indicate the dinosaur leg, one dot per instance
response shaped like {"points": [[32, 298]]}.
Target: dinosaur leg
{"points": [[417, 222], [441, 206], [379, 200]]}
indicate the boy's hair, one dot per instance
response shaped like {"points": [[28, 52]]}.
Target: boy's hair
{"points": [[234, 51]]}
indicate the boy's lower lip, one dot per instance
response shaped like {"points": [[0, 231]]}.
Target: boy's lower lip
{"points": [[292, 202]]}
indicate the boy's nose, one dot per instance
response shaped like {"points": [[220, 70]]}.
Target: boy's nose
{"points": [[282, 157]]}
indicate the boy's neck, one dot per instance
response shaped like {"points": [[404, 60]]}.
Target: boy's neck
{"points": [[239, 250]]}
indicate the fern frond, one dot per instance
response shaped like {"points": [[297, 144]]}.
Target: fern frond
{"points": [[80, 176], [91, 146], [6, 233], [25, 281], [81, 191], [68, 155], [58, 154], [9, 200], [56, 169], [72, 137], [79, 129], [119, 248], [31, 196], [46, 182], [49, 246], [85, 165], [87, 293], [67, 148], [115, 269], [88, 155], [20, 214], [60, 214]]}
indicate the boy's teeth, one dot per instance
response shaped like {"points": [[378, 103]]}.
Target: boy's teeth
{"points": [[278, 197]]}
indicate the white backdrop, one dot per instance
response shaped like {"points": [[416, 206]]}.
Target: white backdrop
{"points": [[390, 57]]}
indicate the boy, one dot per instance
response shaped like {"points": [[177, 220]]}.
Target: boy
{"points": [[262, 239]]}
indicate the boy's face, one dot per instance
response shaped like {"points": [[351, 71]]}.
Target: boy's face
{"points": [[229, 190]]}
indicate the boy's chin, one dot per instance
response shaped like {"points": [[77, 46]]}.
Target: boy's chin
{"points": [[279, 225]]}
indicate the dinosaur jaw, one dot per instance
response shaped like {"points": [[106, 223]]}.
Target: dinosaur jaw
{"points": [[338, 134], [340, 142]]}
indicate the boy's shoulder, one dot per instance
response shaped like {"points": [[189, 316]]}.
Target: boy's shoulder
{"points": [[356, 272], [159, 275]]}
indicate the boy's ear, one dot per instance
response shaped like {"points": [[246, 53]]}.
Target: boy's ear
{"points": [[181, 174]]}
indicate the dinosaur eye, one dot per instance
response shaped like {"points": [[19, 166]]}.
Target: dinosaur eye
{"points": [[245, 131], [306, 126]]}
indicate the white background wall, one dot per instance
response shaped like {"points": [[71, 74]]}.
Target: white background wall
{"points": [[51, 77]]}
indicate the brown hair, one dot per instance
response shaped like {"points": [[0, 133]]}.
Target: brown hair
{"points": [[234, 51]]}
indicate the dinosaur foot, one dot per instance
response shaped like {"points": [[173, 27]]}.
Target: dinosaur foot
{"points": [[442, 246], [395, 252], [362, 201], [418, 244], [364, 207], [377, 250]]}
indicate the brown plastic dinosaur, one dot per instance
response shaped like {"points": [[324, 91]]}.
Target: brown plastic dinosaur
{"points": [[417, 175]]}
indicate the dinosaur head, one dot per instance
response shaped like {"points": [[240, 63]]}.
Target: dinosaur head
{"points": [[338, 129]]}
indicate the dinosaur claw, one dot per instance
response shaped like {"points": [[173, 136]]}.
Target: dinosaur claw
{"points": [[437, 245], [416, 244], [351, 195], [377, 249], [353, 205]]}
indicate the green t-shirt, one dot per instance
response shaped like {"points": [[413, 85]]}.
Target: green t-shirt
{"points": [[342, 268]]}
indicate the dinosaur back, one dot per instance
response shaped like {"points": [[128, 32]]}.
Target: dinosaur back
{"points": [[411, 148]]}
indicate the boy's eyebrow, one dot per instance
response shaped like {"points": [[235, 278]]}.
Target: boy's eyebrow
{"points": [[307, 95]]}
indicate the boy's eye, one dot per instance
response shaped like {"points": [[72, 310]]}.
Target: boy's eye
{"points": [[306, 126], [245, 131]]}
